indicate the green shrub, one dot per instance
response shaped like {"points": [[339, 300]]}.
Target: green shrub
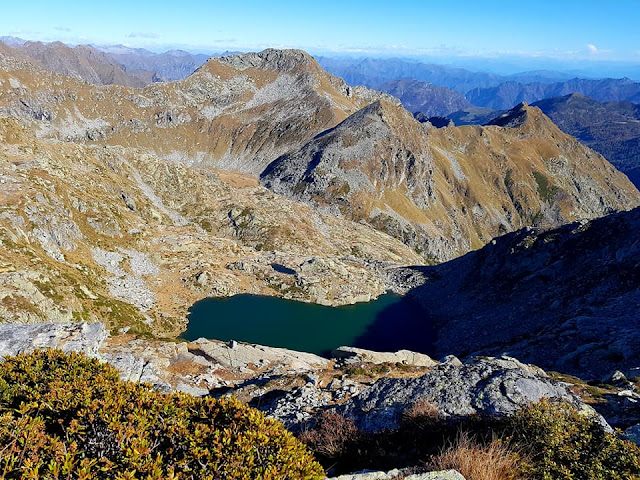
{"points": [[562, 443], [64, 416], [545, 441]]}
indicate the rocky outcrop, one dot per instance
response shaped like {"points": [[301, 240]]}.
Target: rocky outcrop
{"points": [[565, 299], [69, 337], [196, 367], [269, 59], [494, 387], [292, 386]]}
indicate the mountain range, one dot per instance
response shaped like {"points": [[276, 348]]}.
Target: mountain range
{"points": [[122, 205], [444, 192], [110, 65], [507, 94], [167, 66], [374, 72], [426, 98], [128, 204]]}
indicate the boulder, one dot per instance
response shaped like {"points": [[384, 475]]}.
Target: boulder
{"points": [[240, 355], [393, 474], [359, 355]]}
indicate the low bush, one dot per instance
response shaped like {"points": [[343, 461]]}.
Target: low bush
{"points": [[64, 416], [563, 443], [331, 435], [545, 441]]}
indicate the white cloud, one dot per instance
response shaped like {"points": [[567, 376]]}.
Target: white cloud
{"points": [[143, 35], [592, 48]]}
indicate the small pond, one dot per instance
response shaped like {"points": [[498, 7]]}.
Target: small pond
{"points": [[390, 323]]}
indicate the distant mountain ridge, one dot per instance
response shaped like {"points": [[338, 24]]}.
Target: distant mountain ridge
{"points": [[168, 66], [508, 94], [82, 62], [427, 98], [374, 72], [112, 65]]}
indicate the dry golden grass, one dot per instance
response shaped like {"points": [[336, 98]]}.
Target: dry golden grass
{"points": [[494, 461], [422, 411]]}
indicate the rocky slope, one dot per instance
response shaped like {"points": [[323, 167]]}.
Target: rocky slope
{"points": [[237, 112], [108, 233], [610, 128], [565, 299], [447, 191]]}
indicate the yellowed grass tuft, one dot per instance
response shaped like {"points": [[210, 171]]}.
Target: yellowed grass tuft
{"points": [[495, 461]]}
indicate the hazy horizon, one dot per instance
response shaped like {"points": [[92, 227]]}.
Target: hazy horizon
{"points": [[583, 37]]}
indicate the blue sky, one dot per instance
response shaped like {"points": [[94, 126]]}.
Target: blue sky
{"points": [[563, 29]]}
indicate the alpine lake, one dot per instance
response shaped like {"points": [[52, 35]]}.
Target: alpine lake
{"points": [[389, 323]]}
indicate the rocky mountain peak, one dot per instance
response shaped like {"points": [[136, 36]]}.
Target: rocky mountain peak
{"points": [[513, 118], [525, 117], [270, 59], [379, 111]]}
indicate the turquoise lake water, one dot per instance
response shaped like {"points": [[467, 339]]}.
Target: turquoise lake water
{"points": [[389, 323]]}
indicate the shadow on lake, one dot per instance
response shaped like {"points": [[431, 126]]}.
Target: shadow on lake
{"points": [[390, 323]]}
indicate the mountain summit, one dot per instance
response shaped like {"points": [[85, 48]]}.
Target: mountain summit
{"points": [[270, 59], [447, 191]]}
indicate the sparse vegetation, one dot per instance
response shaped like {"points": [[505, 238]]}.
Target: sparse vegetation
{"points": [[545, 441], [477, 461], [66, 416], [421, 412], [546, 190], [366, 370], [332, 433]]}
